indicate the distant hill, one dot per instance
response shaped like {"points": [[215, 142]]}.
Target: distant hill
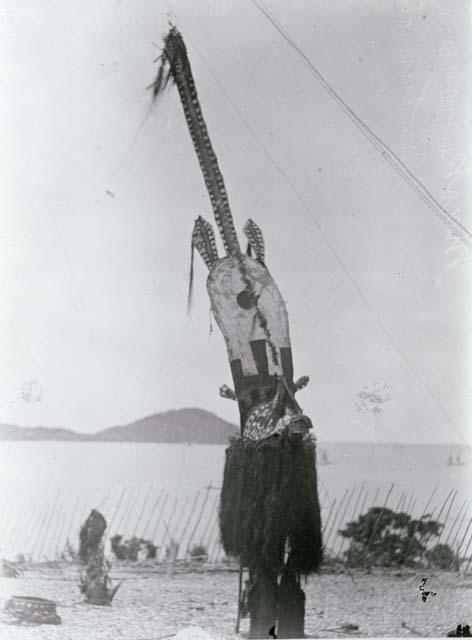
{"points": [[182, 425], [12, 432]]}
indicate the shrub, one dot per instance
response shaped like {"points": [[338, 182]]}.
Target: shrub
{"points": [[131, 548], [198, 552], [441, 556], [384, 538]]}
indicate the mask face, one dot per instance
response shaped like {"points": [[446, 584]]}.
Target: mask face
{"points": [[248, 307], [253, 319]]}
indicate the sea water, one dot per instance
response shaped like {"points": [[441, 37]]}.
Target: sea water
{"points": [[159, 491]]}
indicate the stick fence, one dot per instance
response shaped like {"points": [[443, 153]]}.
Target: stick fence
{"points": [[43, 531]]}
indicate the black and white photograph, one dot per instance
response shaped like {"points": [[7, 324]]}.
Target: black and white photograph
{"points": [[235, 319]]}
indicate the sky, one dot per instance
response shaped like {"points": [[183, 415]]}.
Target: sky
{"points": [[101, 192]]}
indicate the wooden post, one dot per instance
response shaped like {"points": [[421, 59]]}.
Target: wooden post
{"points": [[186, 526], [451, 530], [335, 517], [140, 517], [330, 513], [171, 553], [447, 517], [159, 517], [153, 510], [202, 509], [342, 520], [464, 537], [167, 527], [125, 513], [240, 589], [428, 538], [48, 526], [213, 516], [60, 529], [95, 583], [116, 510]]}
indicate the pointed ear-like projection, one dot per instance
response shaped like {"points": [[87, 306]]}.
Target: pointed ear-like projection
{"points": [[301, 383], [256, 240], [226, 392], [203, 239]]}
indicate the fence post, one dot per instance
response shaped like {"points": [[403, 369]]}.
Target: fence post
{"points": [[48, 525], [22, 542], [153, 510], [211, 518], [57, 553], [454, 524], [116, 511], [179, 519], [325, 525], [411, 538], [341, 522], [18, 524], [353, 514], [158, 522], [336, 516], [124, 514], [189, 518], [140, 517], [167, 531], [202, 508], [454, 494], [465, 555], [463, 538]]}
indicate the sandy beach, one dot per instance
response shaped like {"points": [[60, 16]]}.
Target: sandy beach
{"points": [[150, 605]]}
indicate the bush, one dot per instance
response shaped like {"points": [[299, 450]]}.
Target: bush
{"points": [[384, 538], [198, 552], [441, 556], [130, 549]]}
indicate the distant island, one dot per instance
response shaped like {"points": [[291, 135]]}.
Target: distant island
{"points": [[181, 425]]}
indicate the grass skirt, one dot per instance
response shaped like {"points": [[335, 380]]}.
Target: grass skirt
{"points": [[269, 504]]}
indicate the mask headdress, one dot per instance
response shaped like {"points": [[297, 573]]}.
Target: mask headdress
{"points": [[269, 501], [174, 64]]}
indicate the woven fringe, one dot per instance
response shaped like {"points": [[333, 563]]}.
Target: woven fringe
{"points": [[269, 499]]}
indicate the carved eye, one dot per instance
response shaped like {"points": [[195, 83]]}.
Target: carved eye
{"points": [[246, 299]]}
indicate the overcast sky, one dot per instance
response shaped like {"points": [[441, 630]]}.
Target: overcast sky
{"points": [[101, 195]]}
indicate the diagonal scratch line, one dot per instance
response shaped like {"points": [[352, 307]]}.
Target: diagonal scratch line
{"points": [[388, 154], [327, 240]]}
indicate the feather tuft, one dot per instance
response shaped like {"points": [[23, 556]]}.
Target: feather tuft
{"points": [[174, 49], [162, 78]]}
